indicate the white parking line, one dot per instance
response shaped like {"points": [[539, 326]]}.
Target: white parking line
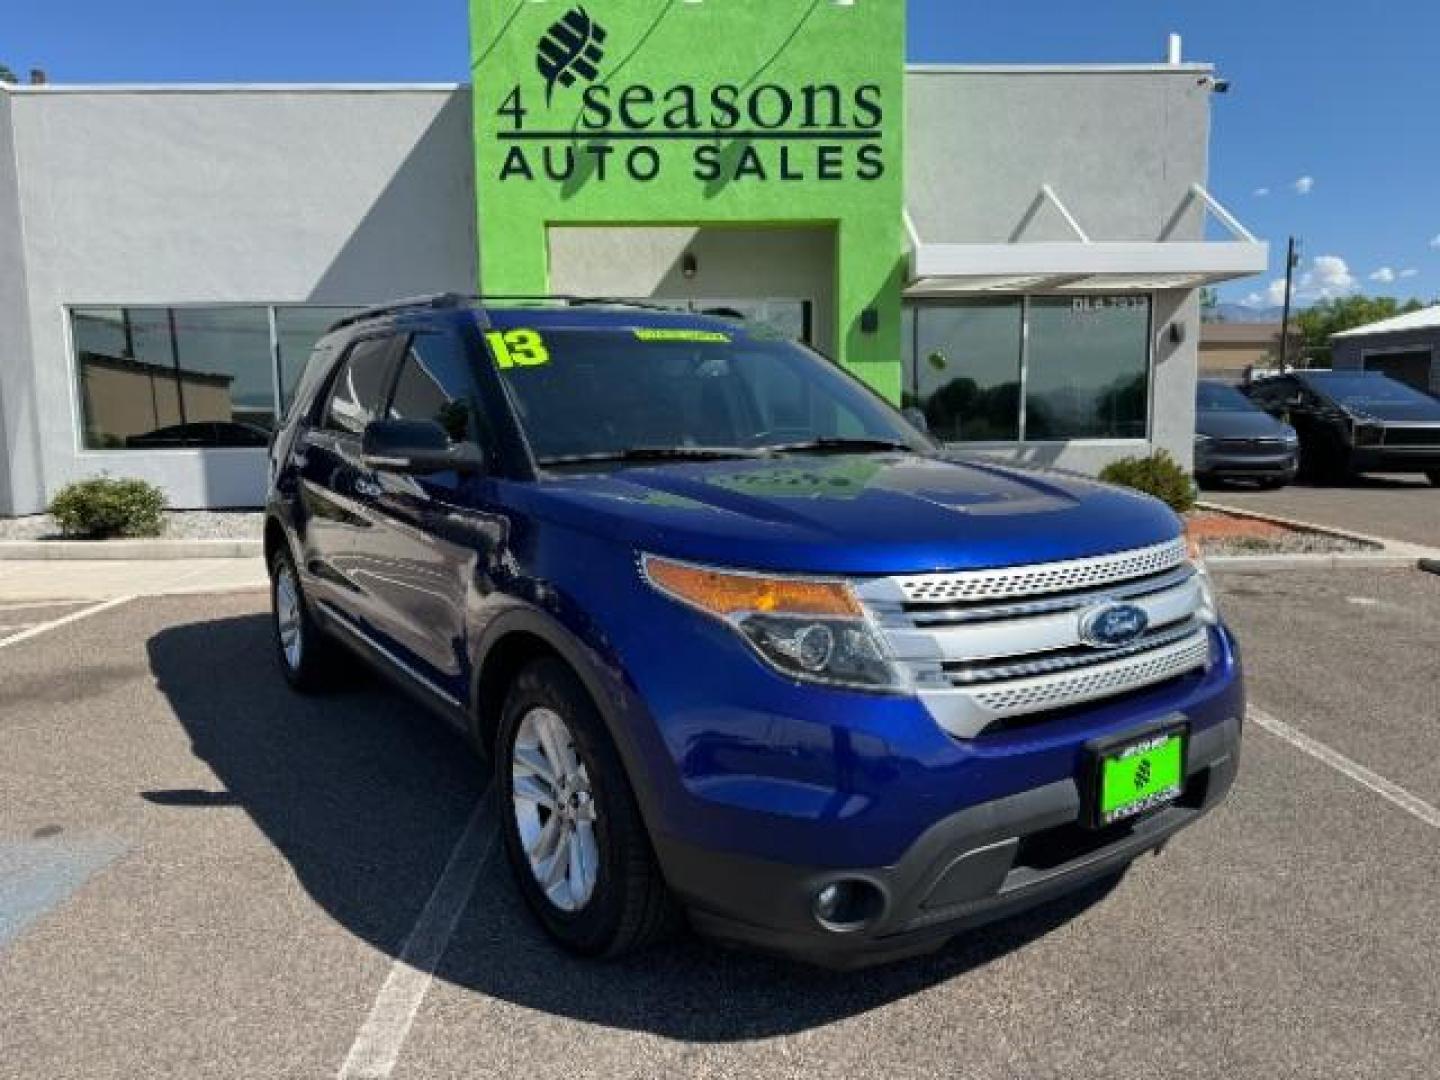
{"points": [[377, 1046], [74, 616], [1411, 804]]}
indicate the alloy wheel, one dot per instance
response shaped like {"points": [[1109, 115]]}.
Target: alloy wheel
{"points": [[555, 811]]}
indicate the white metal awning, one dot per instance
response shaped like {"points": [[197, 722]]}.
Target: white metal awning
{"points": [[1083, 264]]}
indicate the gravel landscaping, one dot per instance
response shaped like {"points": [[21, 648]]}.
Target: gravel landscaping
{"points": [[179, 525], [1231, 534]]}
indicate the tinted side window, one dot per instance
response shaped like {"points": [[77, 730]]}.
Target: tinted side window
{"points": [[434, 384], [359, 389]]}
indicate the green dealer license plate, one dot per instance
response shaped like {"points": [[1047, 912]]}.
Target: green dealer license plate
{"points": [[1140, 776]]}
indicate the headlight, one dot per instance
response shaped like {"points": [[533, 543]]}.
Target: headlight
{"points": [[1209, 611], [1369, 434], [806, 628]]}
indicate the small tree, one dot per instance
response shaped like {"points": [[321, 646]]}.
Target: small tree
{"points": [[7, 76], [1317, 324]]}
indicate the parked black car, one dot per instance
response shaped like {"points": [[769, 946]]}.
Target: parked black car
{"points": [[1354, 422], [1236, 440]]}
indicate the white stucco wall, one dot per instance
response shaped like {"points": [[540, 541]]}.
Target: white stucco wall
{"points": [[201, 195]]}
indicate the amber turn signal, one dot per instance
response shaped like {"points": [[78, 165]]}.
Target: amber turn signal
{"points": [[729, 594]]}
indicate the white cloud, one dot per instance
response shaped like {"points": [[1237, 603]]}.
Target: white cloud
{"points": [[1304, 185], [1409, 272], [1384, 275], [1273, 296], [1328, 277], [1261, 192], [1435, 243]]}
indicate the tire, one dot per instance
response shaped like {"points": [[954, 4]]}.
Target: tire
{"points": [[615, 901], [302, 648], [1434, 477]]}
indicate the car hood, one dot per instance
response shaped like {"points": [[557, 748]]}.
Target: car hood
{"points": [[863, 514], [1234, 424], [1420, 412]]}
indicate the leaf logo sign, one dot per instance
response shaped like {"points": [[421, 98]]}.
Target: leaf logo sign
{"points": [[571, 49]]}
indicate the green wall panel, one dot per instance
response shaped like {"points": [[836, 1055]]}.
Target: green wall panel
{"points": [[726, 112]]}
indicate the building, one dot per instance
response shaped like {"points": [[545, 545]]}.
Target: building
{"points": [[1229, 349], [1404, 348], [1016, 249]]}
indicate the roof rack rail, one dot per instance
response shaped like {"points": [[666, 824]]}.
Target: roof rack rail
{"points": [[453, 300], [434, 301]]}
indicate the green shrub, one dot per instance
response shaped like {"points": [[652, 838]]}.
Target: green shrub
{"points": [[1159, 475], [101, 508]]}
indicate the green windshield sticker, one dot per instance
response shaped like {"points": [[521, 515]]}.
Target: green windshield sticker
{"points": [[518, 348], [706, 337]]}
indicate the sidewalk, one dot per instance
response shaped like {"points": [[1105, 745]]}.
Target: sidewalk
{"points": [[105, 579]]}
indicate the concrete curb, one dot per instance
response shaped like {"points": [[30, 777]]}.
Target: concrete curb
{"points": [[128, 550], [1308, 526], [1242, 564]]}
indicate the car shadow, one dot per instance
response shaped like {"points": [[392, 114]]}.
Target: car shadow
{"points": [[365, 794]]}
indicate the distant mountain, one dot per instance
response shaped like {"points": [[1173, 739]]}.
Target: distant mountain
{"points": [[1243, 314]]}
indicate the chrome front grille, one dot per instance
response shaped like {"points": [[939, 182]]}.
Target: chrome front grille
{"points": [[983, 647], [1015, 581]]}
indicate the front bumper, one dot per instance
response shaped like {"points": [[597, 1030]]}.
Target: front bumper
{"points": [[1269, 464], [983, 863], [1395, 459]]}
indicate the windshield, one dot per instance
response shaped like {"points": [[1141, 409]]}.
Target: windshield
{"points": [[1371, 390], [1217, 397], [586, 394]]}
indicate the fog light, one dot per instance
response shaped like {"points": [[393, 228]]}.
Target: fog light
{"points": [[847, 906]]}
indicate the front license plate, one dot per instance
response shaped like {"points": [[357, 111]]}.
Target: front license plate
{"points": [[1140, 776]]}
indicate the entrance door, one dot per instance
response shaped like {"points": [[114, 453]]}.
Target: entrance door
{"points": [[1412, 367]]}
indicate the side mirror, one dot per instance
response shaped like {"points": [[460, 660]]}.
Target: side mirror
{"points": [[916, 418], [416, 446]]}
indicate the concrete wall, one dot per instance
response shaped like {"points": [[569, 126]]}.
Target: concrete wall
{"points": [[212, 195], [1121, 148], [732, 263], [17, 406]]}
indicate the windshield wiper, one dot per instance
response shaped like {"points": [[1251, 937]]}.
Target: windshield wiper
{"points": [[657, 453], [841, 445]]}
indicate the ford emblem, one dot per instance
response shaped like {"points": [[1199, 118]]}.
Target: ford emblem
{"points": [[1111, 626]]}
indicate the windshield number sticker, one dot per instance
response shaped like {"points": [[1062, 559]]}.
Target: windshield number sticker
{"points": [[706, 337], [518, 348]]}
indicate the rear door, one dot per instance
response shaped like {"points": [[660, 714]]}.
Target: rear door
{"points": [[336, 489], [436, 533]]}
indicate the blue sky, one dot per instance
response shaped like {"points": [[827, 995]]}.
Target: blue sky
{"points": [[1331, 111]]}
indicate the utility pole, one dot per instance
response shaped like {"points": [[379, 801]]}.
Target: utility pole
{"points": [[1292, 262]]}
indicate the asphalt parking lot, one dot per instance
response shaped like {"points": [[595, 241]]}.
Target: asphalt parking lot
{"points": [[202, 875], [1405, 508]]}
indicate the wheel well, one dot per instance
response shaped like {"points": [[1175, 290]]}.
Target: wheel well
{"points": [[274, 539], [505, 660]]}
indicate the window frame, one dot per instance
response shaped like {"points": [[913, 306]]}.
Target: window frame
{"points": [[68, 309], [401, 357], [911, 382], [392, 340]]}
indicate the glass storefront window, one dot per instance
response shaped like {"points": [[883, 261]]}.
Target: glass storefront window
{"points": [[1084, 362], [297, 329], [1089, 368], [966, 369], [157, 378]]}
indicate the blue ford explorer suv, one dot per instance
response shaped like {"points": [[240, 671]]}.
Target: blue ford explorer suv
{"points": [[741, 642]]}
